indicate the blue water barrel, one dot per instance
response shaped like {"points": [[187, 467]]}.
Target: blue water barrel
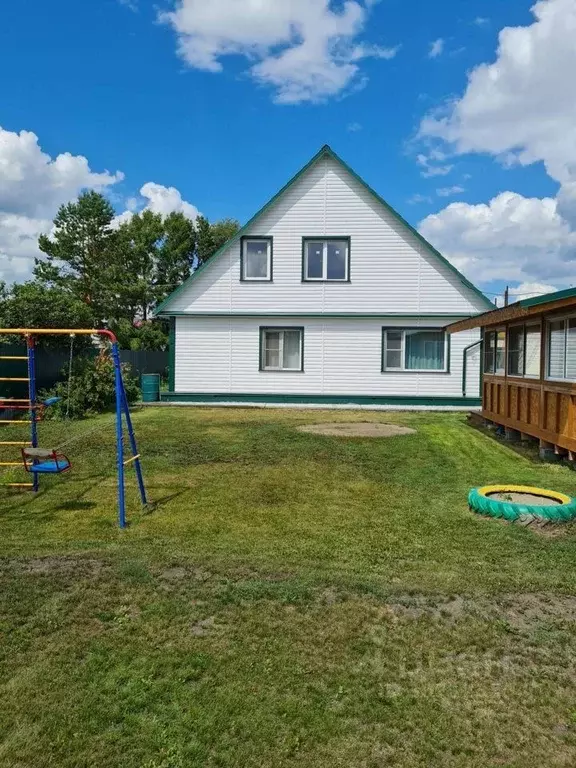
{"points": [[150, 387]]}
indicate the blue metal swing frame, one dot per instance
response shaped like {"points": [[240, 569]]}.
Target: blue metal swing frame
{"points": [[60, 463]]}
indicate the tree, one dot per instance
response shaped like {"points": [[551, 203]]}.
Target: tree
{"points": [[36, 305], [176, 255], [211, 237], [205, 247], [140, 335], [155, 255], [134, 271], [81, 251], [222, 231]]}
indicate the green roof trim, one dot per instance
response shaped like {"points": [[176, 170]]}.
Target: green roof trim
{"points": [[568, 293], [326, 151]]}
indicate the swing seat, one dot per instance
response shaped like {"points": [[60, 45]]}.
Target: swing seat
{"points": [[45, 461], [51, 401]]}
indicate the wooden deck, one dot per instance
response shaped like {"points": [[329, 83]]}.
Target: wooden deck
{"points": [[544, 410]]}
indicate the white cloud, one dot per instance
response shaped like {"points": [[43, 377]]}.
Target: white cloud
{"points": [[418, 198], [481, 21], [521, 109], [33, 185], [353, 127], [158, 199], [449, 191], [512, 238], [529, 290], [429, 170], [303, 49], [436, 48], [167, 200]]}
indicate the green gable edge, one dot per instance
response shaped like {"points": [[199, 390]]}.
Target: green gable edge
{"points": [[326, 151], [567, 293]]}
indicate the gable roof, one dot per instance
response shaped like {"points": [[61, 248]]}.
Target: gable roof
{"points": [[326, 151]]}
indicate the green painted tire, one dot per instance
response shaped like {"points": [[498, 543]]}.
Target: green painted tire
{"points": [[479, 501]]}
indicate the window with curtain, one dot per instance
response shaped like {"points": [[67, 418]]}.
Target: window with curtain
{"points": [[326, 260], [256, 258], [561, 349], [281, 349], [413, 350]]}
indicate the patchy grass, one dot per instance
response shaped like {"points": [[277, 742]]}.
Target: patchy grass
{"points": [[293, 600]]}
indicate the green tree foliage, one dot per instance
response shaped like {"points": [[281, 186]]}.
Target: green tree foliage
{"points": [[211, 237], [177, 254], [222, 231], [81, 251], [91, 388], [36, 305], [205, 240], [138, 242], [149, 335], [155, 255]]}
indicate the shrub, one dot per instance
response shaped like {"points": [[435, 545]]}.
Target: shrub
{"points": [[91, 388]]}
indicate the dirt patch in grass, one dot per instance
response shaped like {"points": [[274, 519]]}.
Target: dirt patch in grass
{"points": [[356, 429], [520, 611], [55, 564]]}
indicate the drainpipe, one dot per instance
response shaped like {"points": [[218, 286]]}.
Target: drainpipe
{"points": [[464, 360]]}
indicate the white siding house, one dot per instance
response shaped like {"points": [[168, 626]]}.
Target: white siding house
{"points": [[325, 296]]}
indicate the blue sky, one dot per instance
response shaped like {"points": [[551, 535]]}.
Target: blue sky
{"points": [[106, 81]]}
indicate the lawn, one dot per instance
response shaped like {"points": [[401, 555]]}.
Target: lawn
{"points": [[292, 600]]}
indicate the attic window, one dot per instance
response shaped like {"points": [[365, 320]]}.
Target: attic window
{"points": [[256, 259], [326, 260]]}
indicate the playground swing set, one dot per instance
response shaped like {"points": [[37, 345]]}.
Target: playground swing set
{"points": [[39, 461]]}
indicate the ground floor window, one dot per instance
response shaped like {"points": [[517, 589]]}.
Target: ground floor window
{"points": [[414, 349], [561, 349], [281, 349], [524, 350], [494, 352]]}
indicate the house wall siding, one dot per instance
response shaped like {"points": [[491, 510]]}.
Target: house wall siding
{"points": [[390, 269], [341, 356]]}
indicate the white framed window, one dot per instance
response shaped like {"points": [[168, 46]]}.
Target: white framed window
{"points": [[495, 352], [326, 259], [524, 350], [414, 349], [282, 349], [256, 259], [561, 349]]}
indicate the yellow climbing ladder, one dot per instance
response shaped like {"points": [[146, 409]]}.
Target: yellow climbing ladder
{"points": [[15, 404]]}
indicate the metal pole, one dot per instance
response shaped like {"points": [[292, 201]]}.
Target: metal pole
{"points": [[133, 444], [31, 348], [118, 386]]}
